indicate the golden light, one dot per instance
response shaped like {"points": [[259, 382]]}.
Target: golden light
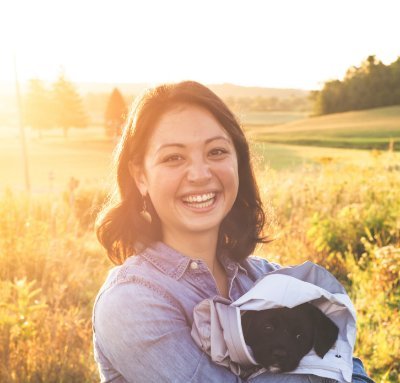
{"points": [[273, 44]]}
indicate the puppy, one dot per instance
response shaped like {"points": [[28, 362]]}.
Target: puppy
{"points": [[279, 338]]}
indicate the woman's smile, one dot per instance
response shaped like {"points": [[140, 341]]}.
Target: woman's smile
{"points": [[200, 202]]}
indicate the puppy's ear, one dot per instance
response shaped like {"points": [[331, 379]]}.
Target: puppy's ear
{"points": [[325, 333], [247, 319]]}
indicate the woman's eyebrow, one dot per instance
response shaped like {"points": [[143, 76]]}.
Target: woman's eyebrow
{"points": [[180, 145], [163, 146], [219, 138]]}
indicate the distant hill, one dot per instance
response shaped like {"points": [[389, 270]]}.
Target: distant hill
{"points": [[8, 88], [95, 96], [367, 129], [223, 90], [124, 88], [226, 90]]}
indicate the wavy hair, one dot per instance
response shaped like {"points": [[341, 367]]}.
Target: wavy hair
{"points": [[119, 226]]}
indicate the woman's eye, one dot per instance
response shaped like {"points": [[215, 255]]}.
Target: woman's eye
{"points": [[218, 151], [173, 158]]}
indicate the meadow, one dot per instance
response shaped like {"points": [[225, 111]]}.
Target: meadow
{"points": [[337, 207], [369, 129]]}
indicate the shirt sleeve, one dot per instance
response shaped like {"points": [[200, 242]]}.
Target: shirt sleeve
{"points": [[146, 338]]}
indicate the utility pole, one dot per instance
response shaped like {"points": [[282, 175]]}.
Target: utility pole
{"points": [[22, 131]]}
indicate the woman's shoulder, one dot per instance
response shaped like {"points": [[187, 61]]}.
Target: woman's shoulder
{"points": [[135, 278], [258, 266]]}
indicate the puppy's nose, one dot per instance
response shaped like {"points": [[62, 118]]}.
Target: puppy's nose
{"points": [[279, 353]]}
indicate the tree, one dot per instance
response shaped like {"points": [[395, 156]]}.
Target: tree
{"points": [[115, 114], [38, 107], [68, 107], [371, 85], [395, 81]]}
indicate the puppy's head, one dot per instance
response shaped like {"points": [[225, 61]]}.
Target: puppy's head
{"points": [[279, 338]]}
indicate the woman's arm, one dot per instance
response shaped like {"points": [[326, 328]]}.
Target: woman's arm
{"points": [[146, 338]]}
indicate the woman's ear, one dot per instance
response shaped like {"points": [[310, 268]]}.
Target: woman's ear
{"points": [[139, 177]]}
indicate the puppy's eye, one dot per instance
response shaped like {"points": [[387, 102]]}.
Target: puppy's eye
{"points": [[299, 337], [269, 327]]}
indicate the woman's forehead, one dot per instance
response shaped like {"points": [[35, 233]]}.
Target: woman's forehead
{"points": [[187, 124]]}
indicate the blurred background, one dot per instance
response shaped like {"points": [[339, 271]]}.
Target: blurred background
{"points": [[316, 87]]}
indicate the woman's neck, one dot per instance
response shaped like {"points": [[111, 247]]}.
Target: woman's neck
{"points": [[194, 245]]}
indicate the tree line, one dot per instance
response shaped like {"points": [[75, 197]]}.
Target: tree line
{"points": [[58, 107], [61, 106], [371, 85]]}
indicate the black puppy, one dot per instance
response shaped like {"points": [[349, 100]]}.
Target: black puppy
{"points": [[279, 338]]}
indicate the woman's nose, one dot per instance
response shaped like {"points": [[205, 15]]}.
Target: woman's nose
{"points": [[199, 172]]}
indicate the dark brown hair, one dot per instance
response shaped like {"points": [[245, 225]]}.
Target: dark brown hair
{"points": [[121, 229]]}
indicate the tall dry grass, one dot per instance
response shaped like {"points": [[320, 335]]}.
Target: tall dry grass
{"points": [[50, 270], [347, 219], [344, 218]]}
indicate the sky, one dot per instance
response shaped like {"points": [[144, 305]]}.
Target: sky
{"points": [[268, 43]]}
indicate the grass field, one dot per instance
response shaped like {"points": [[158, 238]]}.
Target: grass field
{"points": [[337, 207], [54, 160], [345, 218], [86, 154], [370, 129], [290, 157], [257, 119]]}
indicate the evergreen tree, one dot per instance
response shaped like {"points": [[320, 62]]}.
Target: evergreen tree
{"points": [[115, 114], [68, 107], [38, 110]]}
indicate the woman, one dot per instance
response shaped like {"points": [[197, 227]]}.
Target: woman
{"points": [[189, 214]]}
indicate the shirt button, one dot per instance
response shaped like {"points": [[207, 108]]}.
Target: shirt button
{"points": [[194, 265]]}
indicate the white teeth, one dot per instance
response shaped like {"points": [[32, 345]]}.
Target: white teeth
{"points": [[200, 201], [199, 198], [201, 204]]}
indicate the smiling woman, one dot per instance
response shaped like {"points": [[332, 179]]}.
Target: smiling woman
{"points": [[181, 143], [192, 180], [187, 218]]}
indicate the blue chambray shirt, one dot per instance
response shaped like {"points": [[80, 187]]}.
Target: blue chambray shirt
{"points": [[143, 315]]}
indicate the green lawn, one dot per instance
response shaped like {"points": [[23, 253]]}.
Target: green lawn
{"points": [[370, 129], [287, 157]]}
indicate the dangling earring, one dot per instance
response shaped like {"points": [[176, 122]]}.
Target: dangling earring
{"points": [[144, 213]]}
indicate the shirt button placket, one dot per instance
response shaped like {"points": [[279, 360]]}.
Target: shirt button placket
{"points": [[204, 279]]}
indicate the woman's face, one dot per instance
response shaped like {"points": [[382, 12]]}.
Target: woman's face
{"points": [[190, 171]]}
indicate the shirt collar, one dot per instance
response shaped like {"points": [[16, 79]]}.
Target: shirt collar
{"points": [[173, 263], [229, 264]]}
